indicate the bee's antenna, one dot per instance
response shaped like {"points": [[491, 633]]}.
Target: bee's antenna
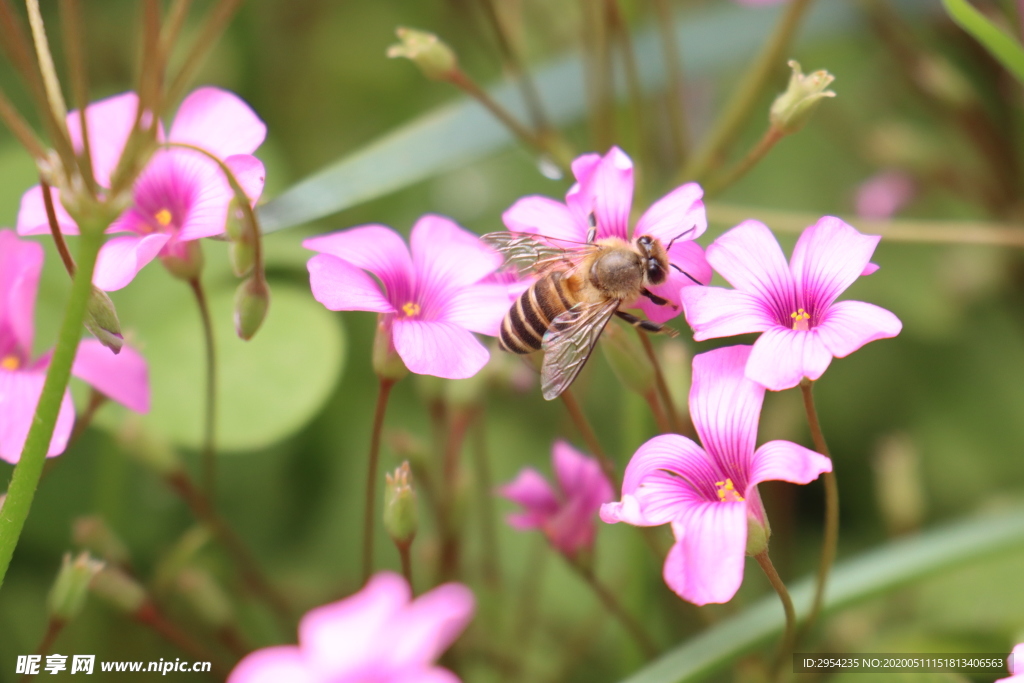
{"points": [[685, 273], [673, 240], [592, 222]]}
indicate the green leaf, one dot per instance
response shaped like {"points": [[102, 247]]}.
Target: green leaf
{"points": [[871, 574], [463, 132], [1002, 45]]}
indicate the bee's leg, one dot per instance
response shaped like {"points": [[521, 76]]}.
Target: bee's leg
{"points": [[655, 298], [646, 325]]}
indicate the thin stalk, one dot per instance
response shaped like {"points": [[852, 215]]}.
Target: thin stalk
{"points": [[746, 95], [383, 392], [743, 166], [172, 28], [831, 535], [659, 381], [528, 599], [149, 615], [26, 474], [450, 531], [53, 629], [678, 124], [587, 432], [632, 626], [216, 21], [491, 557], [44, 59], [658, 412], [20, 129], [789, 637], [71, 22], [405, 554], [209, 452], [58, 236], [617, 25]]}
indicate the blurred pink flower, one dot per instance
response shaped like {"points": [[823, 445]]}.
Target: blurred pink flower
{"points": [[1015, 665], [180, 196], [433, 299], [377, 635], [793, 304], [882, 195], [709, 494], [566, 515], [604, 189], [123, 377]]}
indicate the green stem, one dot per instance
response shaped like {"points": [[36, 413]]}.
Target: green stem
{"points": [[677, 89], [659, 380], [587, 432], [26, 475], [209, 452], [742, 167], [633, 627], [831, 535], [746, 96], [491, 557], [789, 637], [371, 475]]}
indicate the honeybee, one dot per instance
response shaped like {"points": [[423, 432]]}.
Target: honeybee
{"points": [[579, 288]]}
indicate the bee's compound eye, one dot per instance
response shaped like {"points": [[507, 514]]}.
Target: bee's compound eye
{"points": [[645, 240], [655, 273]]}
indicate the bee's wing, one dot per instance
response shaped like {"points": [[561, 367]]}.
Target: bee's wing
{"points": [[527, 251], [568, 343]]}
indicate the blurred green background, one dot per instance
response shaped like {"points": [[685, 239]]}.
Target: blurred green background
{"points": [[935, 413]]}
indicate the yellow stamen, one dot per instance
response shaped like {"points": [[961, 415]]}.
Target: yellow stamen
{"points": [[800, 319], [10, 362], [727, 492], [163, 217], [411, 309]]}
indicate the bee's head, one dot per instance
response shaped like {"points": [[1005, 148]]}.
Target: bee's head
{"points": [[655, 259]]}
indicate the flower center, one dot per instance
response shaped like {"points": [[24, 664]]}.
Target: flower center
{"points": [[10, 362], [163, 217], [801, 320], [411, 309], [727, 493]]}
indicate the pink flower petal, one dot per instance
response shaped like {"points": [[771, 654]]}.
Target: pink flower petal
{"points": [[20, 264], [341, 286], [786, 461], [250, 174], [121, 258], [690, 258], [829, 256], [717, 312], [678, 215], [274, 665], [706, 563], [1015, 664], [869, 269], [749, 257], [432, 675], [544, 216], [447, 258], [882, 195], [782, 357], [19, 395], [477, 308], [110, 121], [606, 190], [583, 165], [849, 325], [428, 626], [579, 476], [438, 348], [219, 122], [123, 377], [534, 493], [726, 407], [32, 219], [375, 248]]}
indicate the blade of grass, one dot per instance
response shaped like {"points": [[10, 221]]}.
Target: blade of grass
{"points": [[1004, 47]]}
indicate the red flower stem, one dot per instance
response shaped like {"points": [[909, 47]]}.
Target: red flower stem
{"points": [[659, 380], [587, 432], [405, 554], [58, 237], [53, 629], [659, 415], [148, 615], [633, 627], [742, 167], [209, 451], [789, 637], [831, 534], [371, 475], [450, 528]]}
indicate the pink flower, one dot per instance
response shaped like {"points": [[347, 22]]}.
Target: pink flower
{"points": [[433, 300], [793, 304], [1015, 665], [566, 515], [604, 190], [709, 494], [882, 195], [122, 377], [180, 196], [376, 635]]}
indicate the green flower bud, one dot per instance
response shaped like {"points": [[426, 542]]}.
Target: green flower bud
{"points": [[236, 226], [252, 299], [67, 596], [758, 534], [386, 361], [119, 590], [243, 257], [628, 359], [793, 108], [101, 320], [185, 261], [400, 518], [181, 555], [93, 534], [151, 451], [434, 58], [205, 597]]}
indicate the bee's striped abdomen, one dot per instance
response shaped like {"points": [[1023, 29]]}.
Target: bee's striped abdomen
{"points": [[524, 326]]}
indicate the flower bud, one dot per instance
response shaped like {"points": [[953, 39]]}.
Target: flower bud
{"points": [[793, 108], [400, 518], [628, 359], [758, 528], [434, 58], [67, 596], [252, 299], [180, 556], [938, 77], [93, 534], [101, 320], [205, 597], [386, 361], [183, 260], [236, 227], [151, 451], [118, 589], [242, 255]]}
